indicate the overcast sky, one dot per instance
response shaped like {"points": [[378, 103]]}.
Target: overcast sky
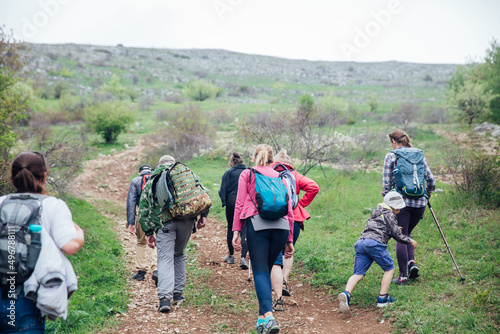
{"points": [[423, 31]]}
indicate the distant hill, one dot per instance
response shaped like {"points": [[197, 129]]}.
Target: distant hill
{"points": [[156, 71]]}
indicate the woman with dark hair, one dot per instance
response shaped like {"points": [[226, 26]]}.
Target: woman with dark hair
{"points": [[409, 216], [228, 191], [29, 174], [265, 238]]}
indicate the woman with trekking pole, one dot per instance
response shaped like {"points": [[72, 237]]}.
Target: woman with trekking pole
{"points": [[263, 206], [407, 171], [36, 227], [228, 191]]}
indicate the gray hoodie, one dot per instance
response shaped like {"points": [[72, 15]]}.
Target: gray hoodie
{"points": [[383, 225]]}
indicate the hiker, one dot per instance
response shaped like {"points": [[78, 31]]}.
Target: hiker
{"points": [[282, 267], [409, 217], [266, 237], [372, 246], [141, 249], [172, 236], [227, 193], [57, 233]]}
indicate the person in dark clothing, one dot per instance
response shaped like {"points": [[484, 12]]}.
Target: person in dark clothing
{"points": [[134, 195], [227, 193]]}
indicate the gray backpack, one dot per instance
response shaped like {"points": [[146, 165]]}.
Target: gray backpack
{"points": [[20, 237]]}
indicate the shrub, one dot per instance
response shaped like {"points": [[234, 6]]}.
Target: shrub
{"points": [[201, 91], [59, 89], [108, 119], [187, 133], [474, 173]]}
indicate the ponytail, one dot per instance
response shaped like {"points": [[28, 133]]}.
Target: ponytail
{"points": [[263, 155], [400, 137]]}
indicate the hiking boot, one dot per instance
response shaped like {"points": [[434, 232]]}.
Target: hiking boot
{"points": [[164, 305], [229, 259], [344, 300], [412, 270], [278, 304], [155, 277], [383, 302], [243, 263], [140, 276], [286, 289], [400, 281], [178, 298], [268, 327]]}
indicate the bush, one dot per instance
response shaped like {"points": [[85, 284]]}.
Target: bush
{"points": [[474, 174], [201, 91], [108, 119], [187, 133]]}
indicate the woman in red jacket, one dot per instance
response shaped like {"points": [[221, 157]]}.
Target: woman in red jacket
{"points": [[265, 239], [283, 267]]}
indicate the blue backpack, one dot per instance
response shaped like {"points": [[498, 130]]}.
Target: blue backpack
{"points": [[272, 195], [409, 172]]}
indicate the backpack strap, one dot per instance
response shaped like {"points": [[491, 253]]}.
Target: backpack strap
{"points": [[249, 182]]}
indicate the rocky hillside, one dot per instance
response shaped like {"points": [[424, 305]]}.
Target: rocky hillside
{"points": [[159, 71]]}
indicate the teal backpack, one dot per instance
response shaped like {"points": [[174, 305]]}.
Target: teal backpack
{"points": [[272, 195], [409, 172]]}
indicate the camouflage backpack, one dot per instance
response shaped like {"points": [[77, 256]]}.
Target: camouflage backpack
{"points": [[190, 197]]}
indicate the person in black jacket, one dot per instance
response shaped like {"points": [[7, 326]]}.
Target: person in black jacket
{"points": [[227, 193], [134, 195]]}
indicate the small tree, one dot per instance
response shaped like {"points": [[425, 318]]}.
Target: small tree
{"points": [[373, 102], [472, 100], [109, 119], [201, 90], [14, 103]]}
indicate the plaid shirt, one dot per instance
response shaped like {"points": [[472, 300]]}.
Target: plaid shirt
{"points": [[389, 183]]}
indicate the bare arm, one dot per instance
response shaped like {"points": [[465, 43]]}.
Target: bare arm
{"points": [[72, 246]]}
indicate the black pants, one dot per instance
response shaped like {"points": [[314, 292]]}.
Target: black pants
{"points": [[231, 201]]}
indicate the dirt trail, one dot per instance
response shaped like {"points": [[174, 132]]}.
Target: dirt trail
{"points": [[307, 311]]}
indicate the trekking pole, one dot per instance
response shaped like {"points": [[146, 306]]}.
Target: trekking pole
{"points": [[462, 279], [249, 270]]}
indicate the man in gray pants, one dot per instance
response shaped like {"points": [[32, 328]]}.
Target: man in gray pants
{"points": [[171, 241]]}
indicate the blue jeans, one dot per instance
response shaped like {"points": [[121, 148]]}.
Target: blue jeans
{"points": [[296, 233], [20, 315], [264, 247]]}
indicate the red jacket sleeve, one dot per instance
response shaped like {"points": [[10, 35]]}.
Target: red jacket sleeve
{"points": [[310, 187]]}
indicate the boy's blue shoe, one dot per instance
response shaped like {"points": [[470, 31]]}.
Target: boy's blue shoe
{"points": [[383, 302], [344, 300]]}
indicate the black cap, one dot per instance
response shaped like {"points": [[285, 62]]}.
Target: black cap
{"points": [[144, 167]]}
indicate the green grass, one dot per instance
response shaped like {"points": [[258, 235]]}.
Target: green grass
{"points": [[100, 268]]}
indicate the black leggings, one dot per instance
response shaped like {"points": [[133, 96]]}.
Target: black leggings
{"points": [[231, 201], [408, 219]]}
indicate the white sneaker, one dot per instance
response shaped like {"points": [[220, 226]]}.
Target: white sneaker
{"points": [[243, 263], [229, 259]]}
